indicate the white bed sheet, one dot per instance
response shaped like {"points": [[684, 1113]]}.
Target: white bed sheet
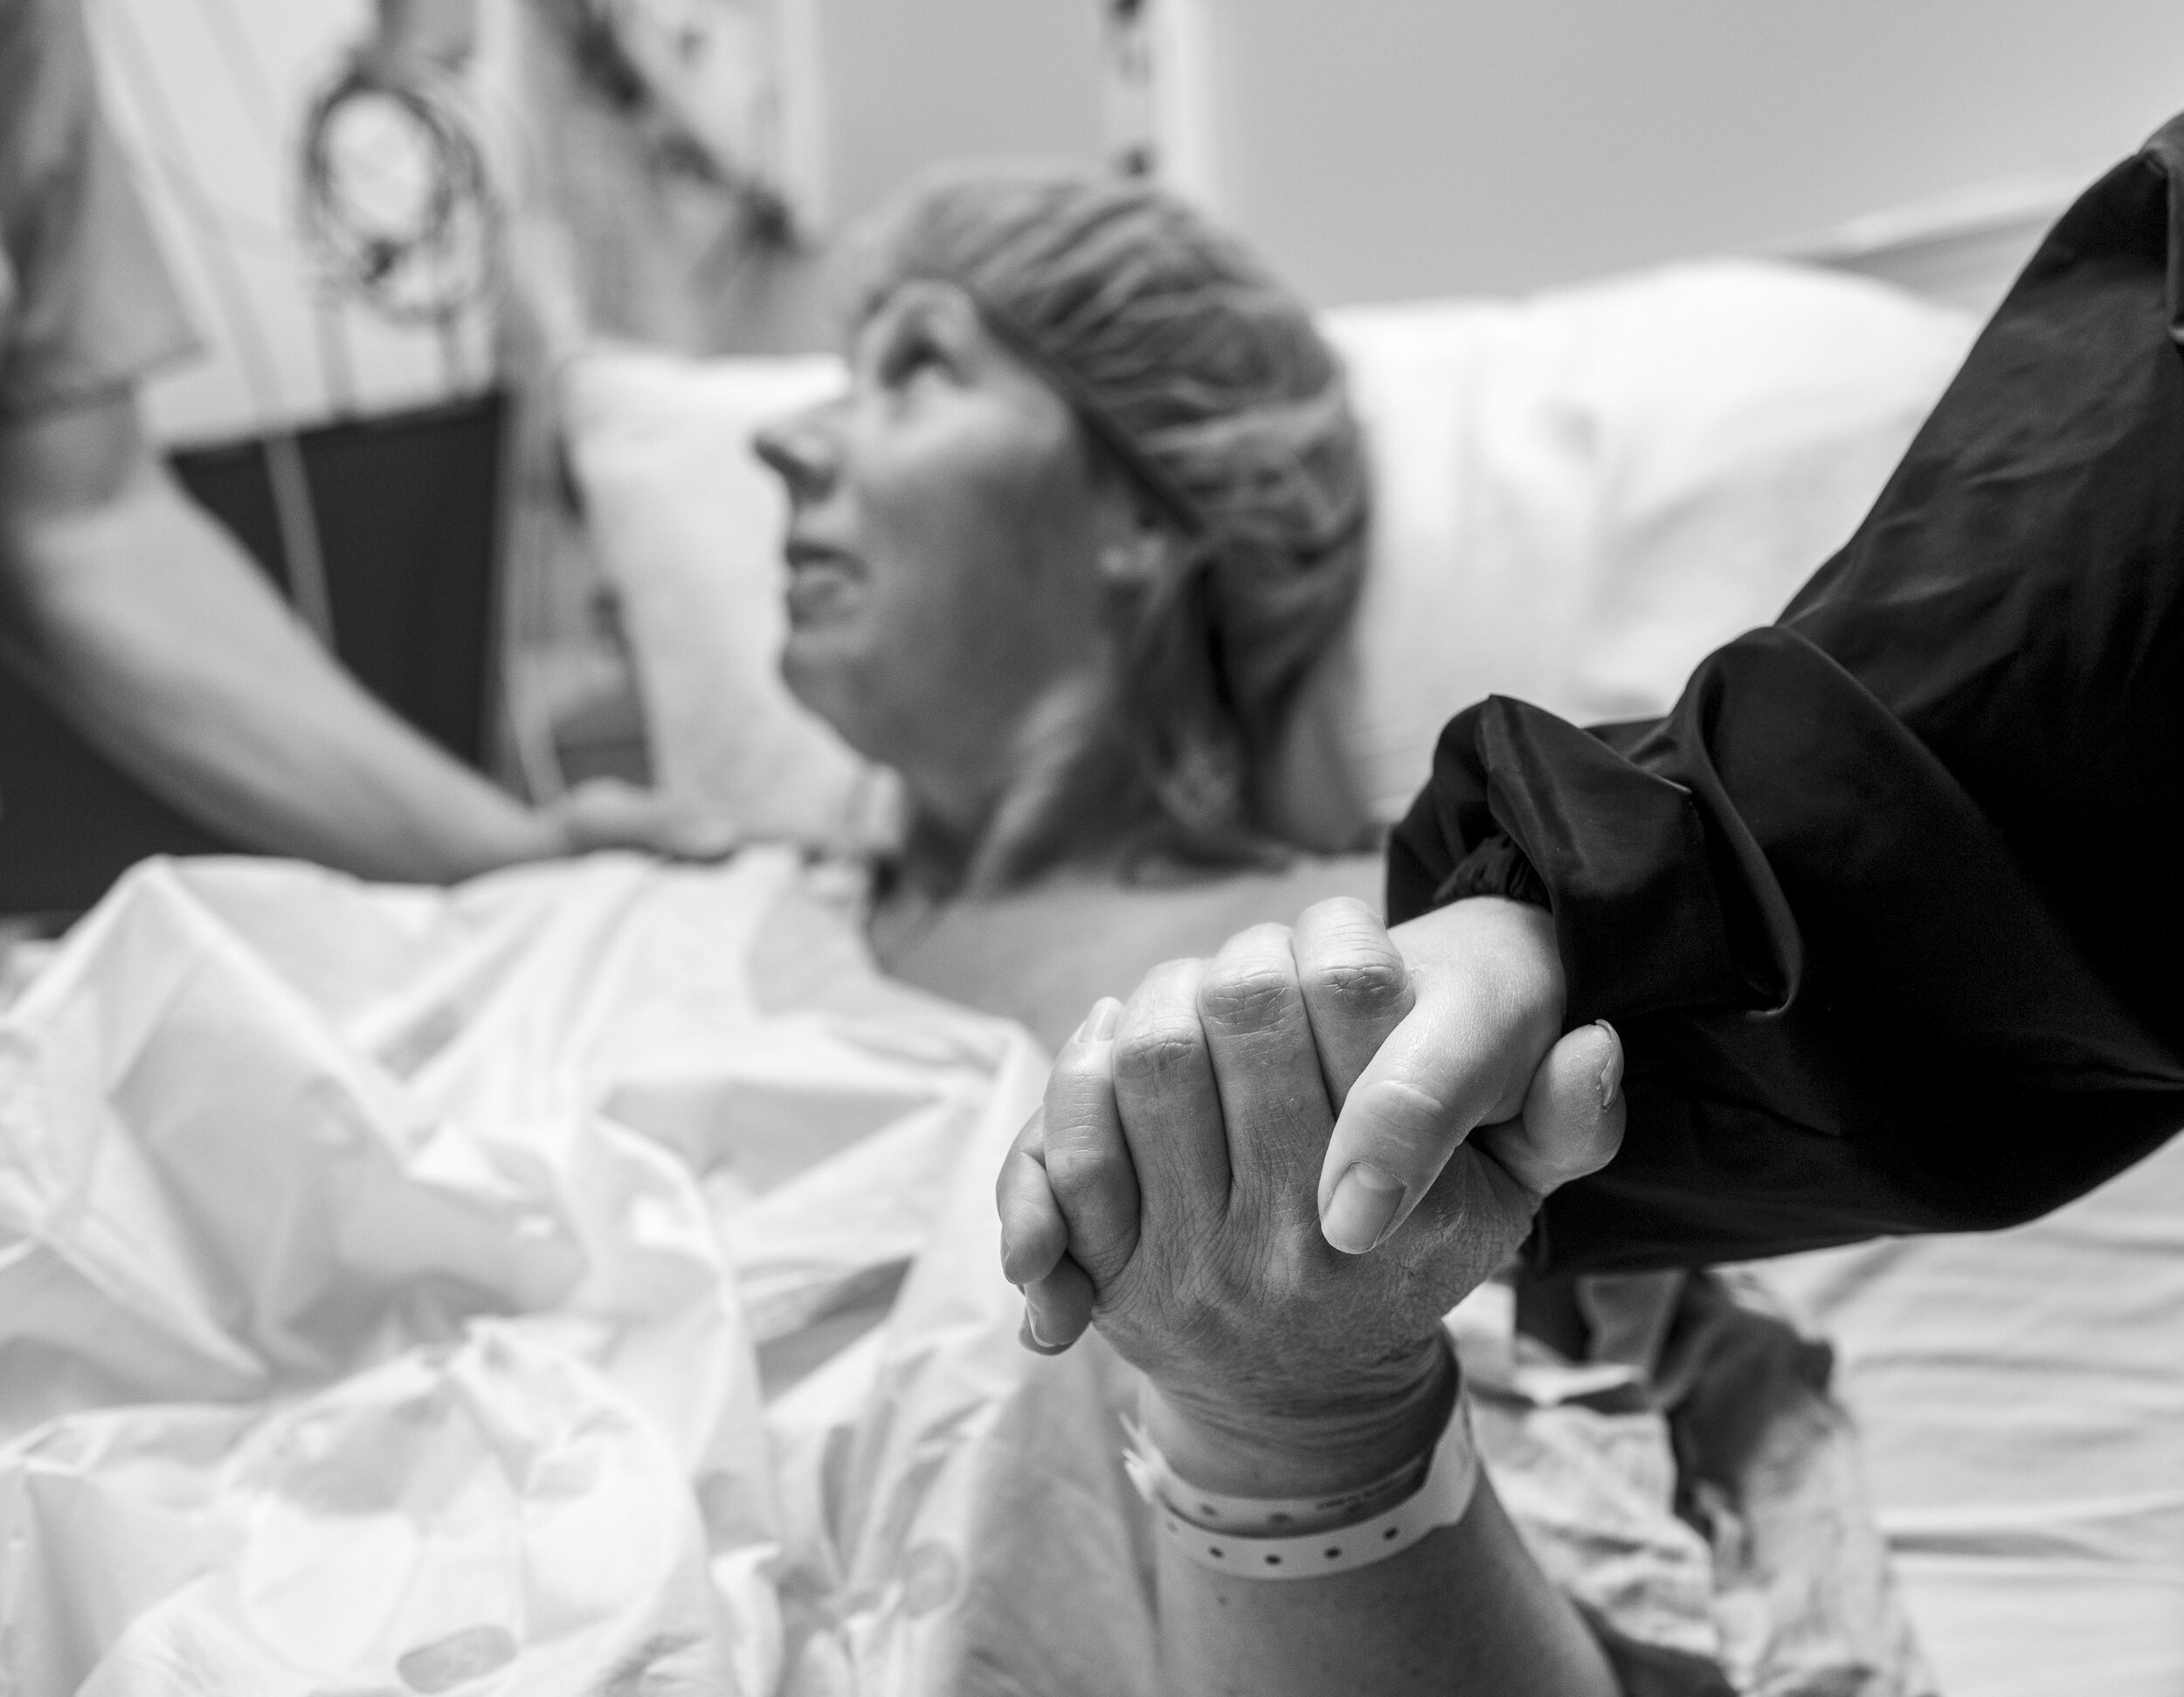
{"points": [[2021, 1394], [586, 1282], [387, 1279]]}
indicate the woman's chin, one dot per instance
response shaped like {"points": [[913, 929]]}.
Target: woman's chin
{"points": [[823, 677]]}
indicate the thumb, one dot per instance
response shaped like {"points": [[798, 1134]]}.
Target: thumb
{"points": [[1435, 1079], [1572, 1122], [1488, 1004]]}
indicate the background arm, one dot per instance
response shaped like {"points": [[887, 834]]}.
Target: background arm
{"points": [[146, 626]]}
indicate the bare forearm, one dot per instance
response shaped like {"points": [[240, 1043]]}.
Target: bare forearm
{"points": [[148, 630]]}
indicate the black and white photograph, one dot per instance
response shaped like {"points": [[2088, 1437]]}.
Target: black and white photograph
{"points": [[1091, 848]]}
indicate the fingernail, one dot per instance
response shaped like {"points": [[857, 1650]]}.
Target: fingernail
{"points": [[1611, 1072], [1107, 1013], [1362, 1209], [1027, 1334]]}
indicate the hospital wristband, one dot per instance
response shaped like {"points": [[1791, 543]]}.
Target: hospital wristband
{"points": [[1309, 1537]]}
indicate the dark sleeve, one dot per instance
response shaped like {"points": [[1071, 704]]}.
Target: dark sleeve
{"points": [[1888, 909], [94, 309]]}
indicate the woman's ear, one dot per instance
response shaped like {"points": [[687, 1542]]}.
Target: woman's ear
{"points": [[1137, 549]]}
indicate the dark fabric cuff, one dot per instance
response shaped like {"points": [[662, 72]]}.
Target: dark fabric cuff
{"points": [[1496, 867], [1782, 847], [1886, 908]]}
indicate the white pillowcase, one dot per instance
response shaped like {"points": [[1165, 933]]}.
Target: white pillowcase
{"points": [[1580, 495], [1577, 496], [689, 525]]}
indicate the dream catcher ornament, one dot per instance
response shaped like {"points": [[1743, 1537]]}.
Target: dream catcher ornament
{"points": [[398, 201]]}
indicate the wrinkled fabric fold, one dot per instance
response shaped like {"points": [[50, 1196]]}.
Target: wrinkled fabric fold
{"points": [[1886, 907]]}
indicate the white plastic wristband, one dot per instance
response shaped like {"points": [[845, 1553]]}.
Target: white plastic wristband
{"points": [[1248, 1537]]}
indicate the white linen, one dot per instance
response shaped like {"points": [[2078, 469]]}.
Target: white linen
{"points": [[386, 1279], [688, 526], [588, 1281], [1580, 495], [2021, 1396]]}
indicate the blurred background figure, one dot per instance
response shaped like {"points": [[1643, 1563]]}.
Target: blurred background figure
{"points": [[138, 619]]}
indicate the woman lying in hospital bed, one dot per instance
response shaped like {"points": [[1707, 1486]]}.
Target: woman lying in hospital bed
{"points": [[411, 1291], [1061, 559]]}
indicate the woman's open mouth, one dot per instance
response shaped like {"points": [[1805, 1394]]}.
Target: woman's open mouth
{"points": [[821, 581]]}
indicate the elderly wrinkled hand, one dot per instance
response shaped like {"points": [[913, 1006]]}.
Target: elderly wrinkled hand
{"points": [[1171, 1190]]}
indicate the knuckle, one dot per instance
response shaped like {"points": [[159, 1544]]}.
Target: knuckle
{"points": [[1367, 980], [1346, 923], [1342, 911], [1247, 996], [1153, 1053], [1403, 1120], [1170, 981], [1079, 1165], [1077, 1073]]}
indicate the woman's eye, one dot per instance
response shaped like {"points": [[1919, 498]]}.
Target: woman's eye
{"points": [[907, 359]]}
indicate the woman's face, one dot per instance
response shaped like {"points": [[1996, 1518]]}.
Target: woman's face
{"points": [[945, 519]]}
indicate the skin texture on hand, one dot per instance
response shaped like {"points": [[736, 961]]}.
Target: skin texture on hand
{"points": [[1166, 1193], [1466, 1058], [1169, 1192]]}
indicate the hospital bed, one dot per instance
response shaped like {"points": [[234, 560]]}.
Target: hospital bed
{"points": [[1578, 496], [358, 1220]]}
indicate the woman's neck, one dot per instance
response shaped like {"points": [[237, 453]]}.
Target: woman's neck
{"points": [[1061, 794]]}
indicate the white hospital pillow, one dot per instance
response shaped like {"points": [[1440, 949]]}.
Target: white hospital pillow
{"points": [[688, 526], [1579, 495]]}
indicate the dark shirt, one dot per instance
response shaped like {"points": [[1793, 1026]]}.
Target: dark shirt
{"points": [[1890, 907]]}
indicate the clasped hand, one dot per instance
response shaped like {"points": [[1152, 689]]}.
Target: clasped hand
{"points": [[1266, 1178], [606, 812]]}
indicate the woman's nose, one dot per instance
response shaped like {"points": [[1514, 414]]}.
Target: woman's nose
{"points": [[803, 451]]}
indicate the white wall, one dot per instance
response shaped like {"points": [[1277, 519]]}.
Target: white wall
{"points": [[1379, 149], [913, 81], [1373, 149]]}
